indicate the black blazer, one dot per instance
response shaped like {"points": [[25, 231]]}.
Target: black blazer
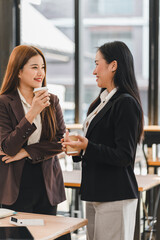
{"points": [[108, 162]]}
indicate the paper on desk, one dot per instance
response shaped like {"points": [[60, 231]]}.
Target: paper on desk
{"points": [[4, 212]]}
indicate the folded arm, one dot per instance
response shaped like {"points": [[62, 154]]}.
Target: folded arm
{"points": [[14, 140]]}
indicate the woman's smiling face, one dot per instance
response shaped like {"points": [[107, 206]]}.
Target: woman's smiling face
{"points": [[33, 73], [104, 72]]}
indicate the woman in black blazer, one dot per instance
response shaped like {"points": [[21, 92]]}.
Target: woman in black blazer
{"points": [[113, 127]]}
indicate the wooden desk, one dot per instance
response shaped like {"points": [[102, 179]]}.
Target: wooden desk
{"points": [[54, 226], [151, 136], [152, 128], [72, 179], [145, 182], [74, 126]]}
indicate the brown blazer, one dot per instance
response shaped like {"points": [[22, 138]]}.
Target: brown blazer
{"points": [[14, 133]]}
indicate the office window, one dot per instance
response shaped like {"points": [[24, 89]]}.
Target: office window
{"points": [[116, 23], [103, 21], [49, 25], [159, 71], [114, 7]]}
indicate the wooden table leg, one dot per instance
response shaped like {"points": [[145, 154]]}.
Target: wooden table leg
{"points": [[158, 223], [158, 220], [137, 234], [65, 237]]}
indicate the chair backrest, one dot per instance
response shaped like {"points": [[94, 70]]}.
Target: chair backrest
{"points": [[151, 137], [150, 146]]}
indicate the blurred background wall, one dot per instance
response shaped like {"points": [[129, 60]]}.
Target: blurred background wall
{"points": [[69, 32]]}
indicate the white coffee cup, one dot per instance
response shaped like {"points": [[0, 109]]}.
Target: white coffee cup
{"points": [[39, 89], [73, 137]]}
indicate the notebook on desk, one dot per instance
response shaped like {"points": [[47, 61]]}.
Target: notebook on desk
{"points": [[4, 212], [18, 233]]}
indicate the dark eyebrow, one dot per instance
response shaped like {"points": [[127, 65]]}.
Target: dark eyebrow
{"points": [[34, 64]]}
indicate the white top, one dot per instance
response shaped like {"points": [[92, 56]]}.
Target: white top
{"points": [[35, 136], [105, 97]]}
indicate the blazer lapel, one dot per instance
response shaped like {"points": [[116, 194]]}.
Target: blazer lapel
{"points": [[16, 105], [100, 115]]}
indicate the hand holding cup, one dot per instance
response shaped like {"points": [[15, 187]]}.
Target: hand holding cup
{"points": [[40, 101], [71, 137], [74, 143]]}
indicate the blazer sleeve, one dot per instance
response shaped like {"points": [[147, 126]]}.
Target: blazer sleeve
{"points": [[126, 115], [45, 149], [13, 139]]}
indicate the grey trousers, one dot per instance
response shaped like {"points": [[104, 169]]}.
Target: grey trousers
{"points": [[111, 220]]}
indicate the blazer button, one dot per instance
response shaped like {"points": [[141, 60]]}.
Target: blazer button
{"points": [[29, 129], [24, 136], [26, 132]]}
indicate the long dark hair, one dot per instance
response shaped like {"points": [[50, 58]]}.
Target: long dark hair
{"points": [[18, 58], [124, 77]]}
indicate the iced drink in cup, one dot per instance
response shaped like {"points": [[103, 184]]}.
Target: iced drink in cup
{"points": [[73, 137]]}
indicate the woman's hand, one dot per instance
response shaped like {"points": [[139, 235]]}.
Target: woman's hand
{"points": [[2, 153], [66, 139], [81, 144], [40, 101], [20, 155]]}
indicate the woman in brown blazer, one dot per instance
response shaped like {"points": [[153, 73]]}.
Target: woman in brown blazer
{"points": [[31, 126]]}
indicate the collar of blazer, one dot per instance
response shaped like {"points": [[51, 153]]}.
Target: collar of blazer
{"points": [[100, 115], [16, 105]]}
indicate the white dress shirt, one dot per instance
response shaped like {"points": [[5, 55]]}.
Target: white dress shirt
{"points": [[105, 97], [35, 137]]}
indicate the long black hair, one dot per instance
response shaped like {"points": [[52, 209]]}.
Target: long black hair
{"points": [[124, 77]]}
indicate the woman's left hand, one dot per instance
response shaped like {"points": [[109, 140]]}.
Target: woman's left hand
{"points": [[81, 144], [20, 155], [2, 153]]}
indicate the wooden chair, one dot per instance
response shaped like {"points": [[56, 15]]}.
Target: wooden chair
{"points": [[150, 149]]}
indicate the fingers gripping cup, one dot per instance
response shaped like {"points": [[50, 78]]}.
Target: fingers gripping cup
{"points": [[46, 98], [73, 137]]}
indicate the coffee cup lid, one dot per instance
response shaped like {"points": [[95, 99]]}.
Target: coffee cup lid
{"points": [[41, 88]]}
